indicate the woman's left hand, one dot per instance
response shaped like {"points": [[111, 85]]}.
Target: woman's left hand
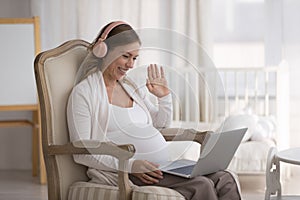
{"points": [[146, 171], [156, 82]]}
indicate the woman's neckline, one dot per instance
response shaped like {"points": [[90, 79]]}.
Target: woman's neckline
{"points": [[133, 104]]}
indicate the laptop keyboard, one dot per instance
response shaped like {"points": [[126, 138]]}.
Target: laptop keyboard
{"points": [[187, 170]]}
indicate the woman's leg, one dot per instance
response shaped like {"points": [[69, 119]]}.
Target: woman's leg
{"points": [[220, 185], [225, 185], [197, 188]]}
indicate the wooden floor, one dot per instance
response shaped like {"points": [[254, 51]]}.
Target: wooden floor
{"points": [[20, 185], [253, 187]]}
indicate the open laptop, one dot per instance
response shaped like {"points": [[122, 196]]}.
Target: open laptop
{"points": [[216, 154]]}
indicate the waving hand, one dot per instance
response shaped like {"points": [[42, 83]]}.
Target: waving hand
{"points": [[156, 82]]}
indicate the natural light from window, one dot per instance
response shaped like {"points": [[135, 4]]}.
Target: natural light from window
{"points": [[238, 27]]}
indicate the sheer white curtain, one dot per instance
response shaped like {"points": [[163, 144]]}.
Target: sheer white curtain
{"points": [[62, 20]]}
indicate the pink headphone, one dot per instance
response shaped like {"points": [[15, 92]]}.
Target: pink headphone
{"points": [[100, 48]]}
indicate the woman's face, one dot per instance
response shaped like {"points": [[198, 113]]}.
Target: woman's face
{"points": [[123, 60]]}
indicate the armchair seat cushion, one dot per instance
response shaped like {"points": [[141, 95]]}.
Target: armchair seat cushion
{"points": [[94, 191], [155, 193]]}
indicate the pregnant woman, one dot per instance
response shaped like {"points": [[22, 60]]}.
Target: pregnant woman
{"points": [[106, 105]]}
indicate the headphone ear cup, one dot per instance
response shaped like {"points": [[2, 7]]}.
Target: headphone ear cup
{"points": [[100, 49]]}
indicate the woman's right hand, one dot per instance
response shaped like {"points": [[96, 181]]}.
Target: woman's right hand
{"points": [[156, 81], [146, 171]]}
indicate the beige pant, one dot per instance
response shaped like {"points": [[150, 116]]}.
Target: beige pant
{"points": [[217, 186]]}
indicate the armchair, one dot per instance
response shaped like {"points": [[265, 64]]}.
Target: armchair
{"points": [[55, 72]]}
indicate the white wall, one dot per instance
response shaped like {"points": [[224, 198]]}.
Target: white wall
{"points": [[291, 39], [15, 142]]}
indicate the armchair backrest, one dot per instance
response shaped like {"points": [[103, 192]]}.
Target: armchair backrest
{"points": [[55, 72]]}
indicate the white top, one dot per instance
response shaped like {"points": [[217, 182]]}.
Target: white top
{"points": [[88, 113], [130, 126], [123, 117]]}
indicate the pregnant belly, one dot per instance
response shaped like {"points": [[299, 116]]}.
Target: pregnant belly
{"points": [[149, 143]]}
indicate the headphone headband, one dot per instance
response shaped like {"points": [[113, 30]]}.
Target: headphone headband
{"points": [[100, 48], [109, 28]]}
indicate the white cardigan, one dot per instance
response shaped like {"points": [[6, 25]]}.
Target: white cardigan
{"points": [[88, 114]]}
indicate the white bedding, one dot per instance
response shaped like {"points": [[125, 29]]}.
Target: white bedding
{"points": [[259, 127], [251, 157]]}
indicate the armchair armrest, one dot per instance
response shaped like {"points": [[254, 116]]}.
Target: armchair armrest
{"points": [[181, 134], [122, 152]]}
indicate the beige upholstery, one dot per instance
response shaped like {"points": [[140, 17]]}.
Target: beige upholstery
{"points": [[92, 191], [155, 193], [55, 73]]}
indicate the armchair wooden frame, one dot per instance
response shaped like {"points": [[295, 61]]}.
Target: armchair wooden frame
{"points": [[50, 150]]}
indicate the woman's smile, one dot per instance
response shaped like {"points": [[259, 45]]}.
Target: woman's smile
{"points": [[123, 70]]}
